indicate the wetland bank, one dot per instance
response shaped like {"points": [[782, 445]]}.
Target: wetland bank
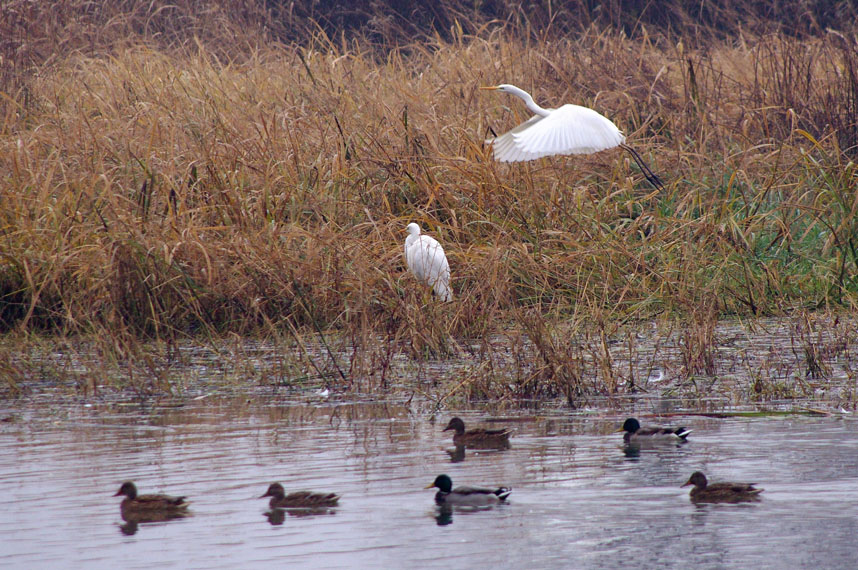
{"points": [[202, 283], [200, 180]]}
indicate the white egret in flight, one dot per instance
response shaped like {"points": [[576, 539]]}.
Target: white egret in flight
{"points": [[426, 260], [570, 129]]}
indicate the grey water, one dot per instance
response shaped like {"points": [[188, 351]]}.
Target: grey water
{"points": [[579, 499]]}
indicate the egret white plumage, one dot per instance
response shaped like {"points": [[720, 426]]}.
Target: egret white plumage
{"points": [[570, 129], [426, 260]]}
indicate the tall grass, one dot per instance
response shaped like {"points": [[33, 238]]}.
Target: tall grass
{"points": [[152, 192]]}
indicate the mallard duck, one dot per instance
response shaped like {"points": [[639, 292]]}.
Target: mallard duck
{"points": [[466, 496], [477, 437], [720, 492], [154, 507], [298, 499], [636, 434]]}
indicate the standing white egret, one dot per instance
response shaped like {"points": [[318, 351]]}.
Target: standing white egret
{"points": [[570, 129], [426, 260]]}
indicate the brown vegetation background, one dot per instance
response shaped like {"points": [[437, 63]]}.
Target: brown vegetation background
{"points": [[205, 168]]}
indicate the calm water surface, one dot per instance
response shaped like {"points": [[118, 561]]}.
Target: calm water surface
{"points": [[578, 500]]}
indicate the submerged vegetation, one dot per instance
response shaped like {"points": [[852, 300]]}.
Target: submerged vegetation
{"points": [[207, 178]]}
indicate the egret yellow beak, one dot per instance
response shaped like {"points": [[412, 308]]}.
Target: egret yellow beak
{"points": [[490, 88]]}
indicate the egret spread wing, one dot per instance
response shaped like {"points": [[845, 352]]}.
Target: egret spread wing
{"points": [[506, 149], [571, 129]]}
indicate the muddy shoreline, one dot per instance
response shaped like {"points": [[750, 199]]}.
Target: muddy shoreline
{"points": [[801, 363]]}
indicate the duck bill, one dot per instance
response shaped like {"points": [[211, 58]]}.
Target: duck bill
{"points": [[263, 496], [429, 486], [621, 430], [489, 87], [448, 428], [686, 484]]}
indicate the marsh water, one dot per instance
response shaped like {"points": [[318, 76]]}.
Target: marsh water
{"points": [[579, 498]]}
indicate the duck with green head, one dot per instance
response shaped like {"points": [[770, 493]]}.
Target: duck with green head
{"points": [[704, 492], [467, 496], [635, 434]]}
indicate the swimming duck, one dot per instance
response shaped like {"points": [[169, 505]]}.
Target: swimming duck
{"points": [[477, 437], [636, 434], [466, 496], [149, 506], [720, 492], [298, 499]]}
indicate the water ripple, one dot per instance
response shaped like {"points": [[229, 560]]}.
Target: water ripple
{"points": [[578, 500]]}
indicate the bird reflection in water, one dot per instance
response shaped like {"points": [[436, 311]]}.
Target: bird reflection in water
{"points": [[133, 520], [632, 451], [444, 515], [457, 454], [277, 516]]}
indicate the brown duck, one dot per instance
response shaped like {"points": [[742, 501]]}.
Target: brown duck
{"points": [[149, 506], [298, 499], [477, 437], [703, 492]]}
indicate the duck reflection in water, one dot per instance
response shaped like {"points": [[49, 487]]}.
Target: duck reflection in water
{"points": [[444, 515], [457, 455], [632, 451], [276, 517], [133, 520]]}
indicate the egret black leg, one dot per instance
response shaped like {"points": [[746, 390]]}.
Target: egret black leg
{"points": [[649, 174]]}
